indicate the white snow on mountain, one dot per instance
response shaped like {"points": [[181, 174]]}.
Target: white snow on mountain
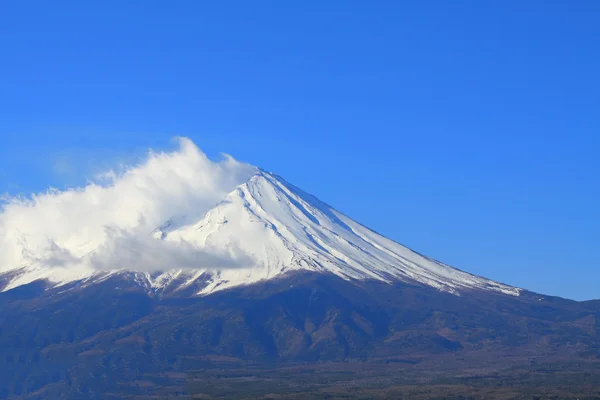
{"points": [[278, 228]]}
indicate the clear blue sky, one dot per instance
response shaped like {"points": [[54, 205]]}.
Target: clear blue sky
{"points": [[467, 130]]}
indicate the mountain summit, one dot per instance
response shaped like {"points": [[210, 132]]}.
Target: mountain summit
{"points": [[278, 228]]}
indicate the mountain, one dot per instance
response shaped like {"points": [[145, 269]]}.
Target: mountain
{"points": [[317, 306]]}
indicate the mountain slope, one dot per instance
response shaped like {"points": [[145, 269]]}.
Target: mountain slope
{"points": [[113, 339], [281, 228]]}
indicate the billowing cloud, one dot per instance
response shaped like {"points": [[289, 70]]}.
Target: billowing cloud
{"points": [[107, 223]]}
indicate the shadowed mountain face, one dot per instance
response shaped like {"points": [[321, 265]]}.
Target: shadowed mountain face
{"points": [[116, 337]]}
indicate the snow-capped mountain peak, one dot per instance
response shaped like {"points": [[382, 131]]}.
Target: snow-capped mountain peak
{"points": [[281, 228]]}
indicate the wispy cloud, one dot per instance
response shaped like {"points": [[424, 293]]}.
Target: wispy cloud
{"points": [[107, 223]]}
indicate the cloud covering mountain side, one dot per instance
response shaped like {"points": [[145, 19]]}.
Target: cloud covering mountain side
{"points": [[107, 223]]}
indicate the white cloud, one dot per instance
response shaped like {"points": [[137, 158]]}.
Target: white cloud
{"points": [[107, 223]]}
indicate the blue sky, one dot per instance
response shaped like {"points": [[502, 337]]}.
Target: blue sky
{"points": [[467, 131]]}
